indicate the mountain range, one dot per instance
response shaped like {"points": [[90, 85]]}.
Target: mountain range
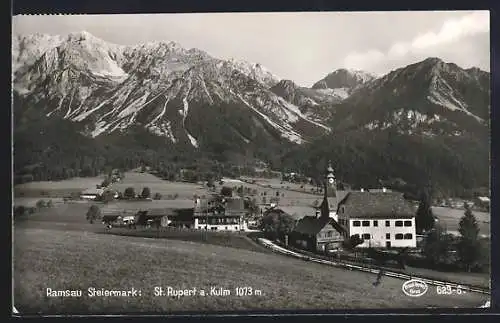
{"points": [[187, 99]]}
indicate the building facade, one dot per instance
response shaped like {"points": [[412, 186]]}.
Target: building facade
{"points": [[225, 215], [381, 219]]}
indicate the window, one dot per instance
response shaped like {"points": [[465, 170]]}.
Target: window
{"points": [[375, 223], [408, 236], [342, 209], [330, 233], [407, 223], [366, 223], [356, 223], [399, 236], [226, 228], [388, 244], [366, 236], [399, 223], [387, 235], [387, 223]]}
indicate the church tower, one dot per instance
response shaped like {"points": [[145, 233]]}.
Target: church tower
{"points": [[329, 204]]}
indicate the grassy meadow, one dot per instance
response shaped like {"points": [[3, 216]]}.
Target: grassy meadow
{"points": [[57, 259], [139, 180], [56, 188]]}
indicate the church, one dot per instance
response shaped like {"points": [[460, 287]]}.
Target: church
{"points": [[381, 218], [321, 232]]}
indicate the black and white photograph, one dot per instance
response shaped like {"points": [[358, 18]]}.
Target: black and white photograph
{"points": [[229, 162]]}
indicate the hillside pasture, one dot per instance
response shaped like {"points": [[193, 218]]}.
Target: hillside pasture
{"points": [[63, 260], [31, 201], [450, 218], [287, 196], [139, 180], [54, 189]]}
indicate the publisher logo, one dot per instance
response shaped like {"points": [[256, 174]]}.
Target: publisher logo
{"points": [[415, 288]]}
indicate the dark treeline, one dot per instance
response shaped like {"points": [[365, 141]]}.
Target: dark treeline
{"points": [[449, 166]]}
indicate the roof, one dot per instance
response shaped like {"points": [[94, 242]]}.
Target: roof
{"points": [[92, 191], [297, 212], [313, 225], [377, 205]]}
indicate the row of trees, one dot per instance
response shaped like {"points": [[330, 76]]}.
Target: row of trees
{"points": [[440, 247]]}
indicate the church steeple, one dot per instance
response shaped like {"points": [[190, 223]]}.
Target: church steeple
{"points": [[329, 204]]}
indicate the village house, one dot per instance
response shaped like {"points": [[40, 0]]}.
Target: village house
{"points": [[225, 215], [381, 219], [91, 193]]}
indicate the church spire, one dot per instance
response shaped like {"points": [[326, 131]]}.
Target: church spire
{"points": [[329, 203]]}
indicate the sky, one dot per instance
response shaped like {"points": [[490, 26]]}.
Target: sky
{"points": [[300, 46]]}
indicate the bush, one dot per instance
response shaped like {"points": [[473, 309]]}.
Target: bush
{"points": [[40, 204], [93, 213], [176, 195], [31, 210], [157, 196], [129, 193], [19, 210], [146, 193], [50, 203]]}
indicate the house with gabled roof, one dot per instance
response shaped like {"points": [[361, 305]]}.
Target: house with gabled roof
{"points": [[381, 219]]}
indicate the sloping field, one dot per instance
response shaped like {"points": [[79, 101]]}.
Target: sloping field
{"points": [[140, 180], [79, 260], [451, 219], [58, 188]]}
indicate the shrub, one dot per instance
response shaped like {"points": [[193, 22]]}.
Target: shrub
{"points": [[40, 204], [157, 196], [19, 210], [176, 195], [129, 193], [93, 213], [146, 193]]}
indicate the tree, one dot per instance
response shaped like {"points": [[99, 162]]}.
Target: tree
{"points": [[19, 210], [146, 193], [129, 193], [353, 242], [277, 224], [425, 218], [253, 207], [226, 191], [210, 183], [157, 196], [437, 246], [93, 213], [108, 196], [469, 247], [40, 204]]}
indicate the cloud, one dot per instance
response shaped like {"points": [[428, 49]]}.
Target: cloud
{"points": [[451, 31]]}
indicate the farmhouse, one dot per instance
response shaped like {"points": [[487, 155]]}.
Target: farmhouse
{"points": [[225, 215], [92, 193], [320, 232], [381, 219]]}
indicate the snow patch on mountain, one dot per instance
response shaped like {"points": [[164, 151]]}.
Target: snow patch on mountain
{"points": [[441, 93], [255, 71], [287, 132]]}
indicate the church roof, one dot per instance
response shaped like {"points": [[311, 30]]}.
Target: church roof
{"points": [[313, 225]]}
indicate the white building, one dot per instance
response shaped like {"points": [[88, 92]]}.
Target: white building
{"points": [[381, 219], [226, 216]]}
